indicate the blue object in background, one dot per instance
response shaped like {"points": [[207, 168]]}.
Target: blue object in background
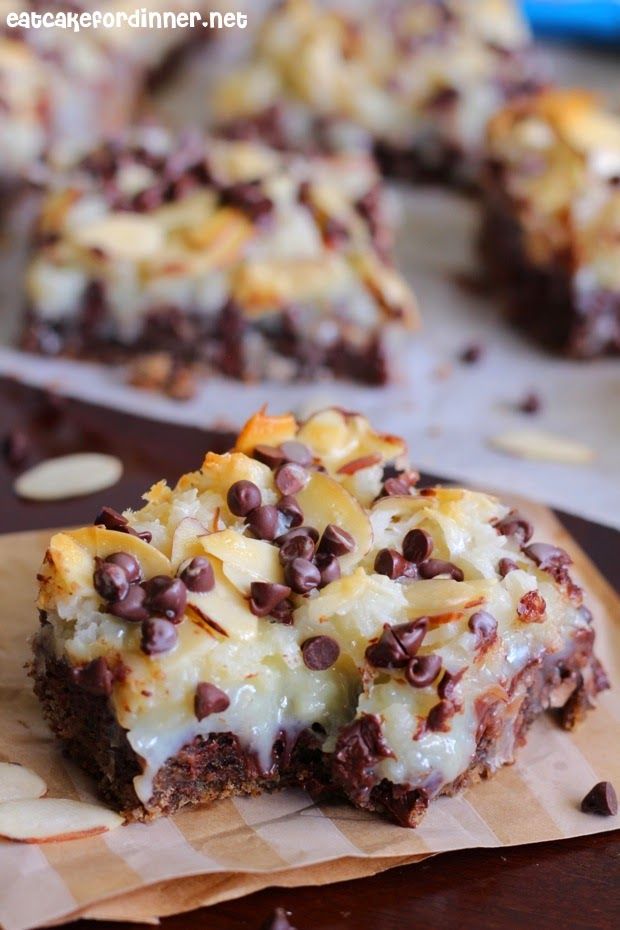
{"points": [[591, 20]]}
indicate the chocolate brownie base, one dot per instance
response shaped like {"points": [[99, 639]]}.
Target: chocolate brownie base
{"points": [[543, 300], [216, 767], [277, 349]]}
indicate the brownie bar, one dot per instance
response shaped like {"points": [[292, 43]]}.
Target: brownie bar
{"points": [[222, 255], [415, 82], [297, 612], [61, 91], [551, 199]]}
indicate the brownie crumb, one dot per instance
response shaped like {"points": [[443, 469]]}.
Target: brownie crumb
{"points": [[601, 800], [472, 354]]}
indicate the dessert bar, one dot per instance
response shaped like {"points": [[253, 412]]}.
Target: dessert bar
{"points": [[223, 255], [61, 90], [298, 611], [551, 230], [415, 81]]}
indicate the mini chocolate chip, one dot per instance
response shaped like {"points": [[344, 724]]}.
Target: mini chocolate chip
{"points": [[263, 521], [411, 634], [278, 921], [209, 699], [387, 652], [516, 526], [250, 197], [506, 566], [297, 547], [283, 612], [391, 563], [548, 557], [242, 497], [16, 447], [290, 478], [166, 596], [265, 595], [269, 455], [439, 717], [302, 576], [320, 652], [111, 519], [128, 563], [296, 452], [601, 800], [132, 607], [329, 567], [197, 575], [110, 581], [484, 627], [423, 670], [417, 546], [158, 635], [336, 541], [289, 507], [431, 568], [531, 608], [398, 644], [95, 678], [310, 531]]}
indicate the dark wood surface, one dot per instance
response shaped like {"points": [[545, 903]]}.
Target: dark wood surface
{"points": [[572, 884]]}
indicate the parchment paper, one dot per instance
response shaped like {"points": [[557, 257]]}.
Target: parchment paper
{"points": [[140, 872]]}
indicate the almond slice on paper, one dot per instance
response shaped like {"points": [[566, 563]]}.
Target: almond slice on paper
{"points": [[19, 783], [69, 476], [544, 447], [49, 820]]}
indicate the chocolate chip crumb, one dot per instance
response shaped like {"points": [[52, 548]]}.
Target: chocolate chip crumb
{"points": [[472, 353], [531, 403], [209, 699], [601, 800]]}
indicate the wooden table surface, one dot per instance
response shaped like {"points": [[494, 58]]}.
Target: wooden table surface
{"points": [[572, 884]]}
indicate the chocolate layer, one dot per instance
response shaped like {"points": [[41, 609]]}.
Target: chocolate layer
{"points": [[217, 766]]}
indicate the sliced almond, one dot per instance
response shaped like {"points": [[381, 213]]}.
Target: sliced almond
{"points": [[50, 820], [325, 501], [17, 783], [243, 559], [186, 541], [544, 447], [226, 607], [69, 476], [123, 235]]}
